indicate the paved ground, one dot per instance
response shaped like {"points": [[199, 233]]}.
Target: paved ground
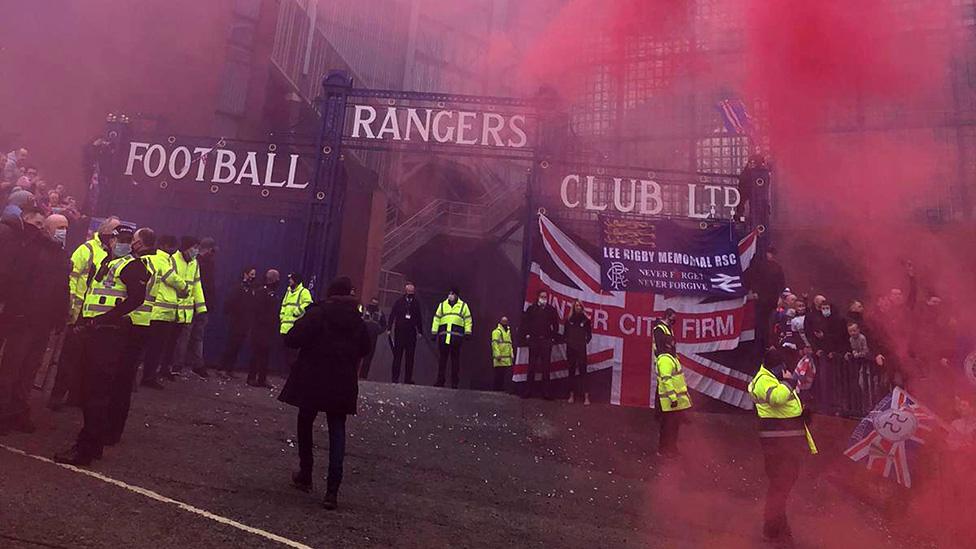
{"points": [[425, 468]]}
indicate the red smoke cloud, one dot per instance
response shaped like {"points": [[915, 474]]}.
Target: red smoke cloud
{"points": [[857, 105]]}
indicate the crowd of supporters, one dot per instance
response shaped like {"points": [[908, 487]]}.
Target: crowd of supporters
{"points": [[853, 353]]}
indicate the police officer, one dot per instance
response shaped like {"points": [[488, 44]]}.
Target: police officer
{"points": [[85, 261], [673, 397], [784, 437], [452, 323], [118, 289]]}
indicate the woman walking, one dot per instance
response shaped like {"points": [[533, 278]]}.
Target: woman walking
{"points": [[332, 339]]}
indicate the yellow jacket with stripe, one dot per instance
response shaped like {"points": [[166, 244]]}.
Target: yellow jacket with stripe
{"points": [[165, 287], [108, 292], [85, 260], [502, 354], [779, 409], [672, 391], [193, 303], [293, 307], [451, 322]]}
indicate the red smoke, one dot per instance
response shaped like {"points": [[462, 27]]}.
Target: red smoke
{"points": [[857, 102]]}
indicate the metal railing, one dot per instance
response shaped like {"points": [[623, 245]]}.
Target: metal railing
{"points": [[472, 220]]}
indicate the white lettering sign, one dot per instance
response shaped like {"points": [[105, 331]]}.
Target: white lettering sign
{"points": [[646, 197], [214, 166], [441, 126]]}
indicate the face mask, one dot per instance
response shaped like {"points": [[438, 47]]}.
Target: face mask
{"points": [[193, 253], [121, 249], [542, 301], [826, 312], [61, 235], [790, 312]]}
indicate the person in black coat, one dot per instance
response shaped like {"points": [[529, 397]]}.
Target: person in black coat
{"points": [[406, 324], [577, 334], [37, 306], [265, 328], [540, 327], [332, 340], [240, 310]]}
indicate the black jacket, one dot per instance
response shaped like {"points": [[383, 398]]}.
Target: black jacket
{"points": [[11, 246], [266, 309], [208, 273], [578, 332], [539, 323], [241, 307], [332, 340], [38, 283], [403, 327]]}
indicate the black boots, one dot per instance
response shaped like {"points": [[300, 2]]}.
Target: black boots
{"points": [[331, 501], [302, 480], [78, 456]]}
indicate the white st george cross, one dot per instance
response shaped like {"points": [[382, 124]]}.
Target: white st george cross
{"points": [[726, 283]]}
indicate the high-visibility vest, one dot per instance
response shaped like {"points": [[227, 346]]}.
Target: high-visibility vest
{"points": [[85, 260], [501, 347], [779, 408], [143, 315], [293, 306], [109, 290], [164, 287], [672, 391], [451, 320], [193, 303]]}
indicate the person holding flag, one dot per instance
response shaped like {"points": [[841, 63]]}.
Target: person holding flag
{"points": [[782, 430]]}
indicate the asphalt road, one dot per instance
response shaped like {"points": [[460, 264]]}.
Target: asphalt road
{"points": [[425, 468]]}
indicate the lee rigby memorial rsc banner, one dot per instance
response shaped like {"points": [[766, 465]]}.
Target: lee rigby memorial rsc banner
{"points": [[666, 258]]}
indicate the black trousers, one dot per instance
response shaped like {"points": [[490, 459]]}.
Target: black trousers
{"points": [[367, 362], [540, 357], [67, 381], [21, 359], [159, 348], [502, 375], [670, 424], [577, 370], [452, 351], [100, 362], [120, 391], [337, 445], [404, 349], [260, 354], [235, 342], [782, 457]]}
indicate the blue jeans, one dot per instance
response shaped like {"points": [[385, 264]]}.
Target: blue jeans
{"points": [[337, 445]]}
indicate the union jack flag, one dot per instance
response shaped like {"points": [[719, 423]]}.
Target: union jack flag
{"points": [[623, 321], [884, 438], [736, 118]]}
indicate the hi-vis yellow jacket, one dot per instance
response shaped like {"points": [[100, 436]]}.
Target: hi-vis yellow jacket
{"points": [[501, 347], [193, 303], [451, 322], [779, 408], [672, 391], [85, 260], [165, 288], [293, 307]]}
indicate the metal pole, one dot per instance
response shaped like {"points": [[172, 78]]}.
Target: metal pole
{"points": [[321, 235]]}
